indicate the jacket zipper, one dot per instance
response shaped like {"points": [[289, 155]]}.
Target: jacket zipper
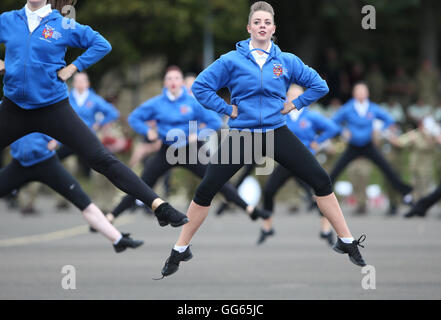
{"points": [[25, 64], [27, 51], [261, 89]]}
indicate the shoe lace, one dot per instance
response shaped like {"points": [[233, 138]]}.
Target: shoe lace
{"points": [[167, 262], [360, 240], [162, 277], [353, 249]]}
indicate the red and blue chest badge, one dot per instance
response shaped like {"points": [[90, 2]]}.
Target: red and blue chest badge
{"points": [[185, 109], [277, 70], [48, 32]]}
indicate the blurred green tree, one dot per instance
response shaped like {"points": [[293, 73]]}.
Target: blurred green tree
{"points": [[406, 30]]}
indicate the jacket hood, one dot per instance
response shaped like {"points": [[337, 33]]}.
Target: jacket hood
{"points": [[243, 47]]}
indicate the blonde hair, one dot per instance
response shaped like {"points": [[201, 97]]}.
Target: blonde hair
{"points": [[260, 6]]}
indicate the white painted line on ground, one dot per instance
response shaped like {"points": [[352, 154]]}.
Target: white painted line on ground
{"points": [[57, 235]]}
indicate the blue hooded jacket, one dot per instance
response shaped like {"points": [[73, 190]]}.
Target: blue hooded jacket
{"points": [[361, 127], [93, 105], [311, 127], [258, 93], [33, 59], [31, 149], [172, 115]]}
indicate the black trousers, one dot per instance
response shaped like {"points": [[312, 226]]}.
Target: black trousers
{"points": [[51, 173], [289, 151], [276, 181], [369, 151], [157, 165], [425, 203], [62, 123]]}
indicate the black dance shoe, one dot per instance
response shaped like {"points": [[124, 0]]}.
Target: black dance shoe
{"points": [[351, 249], [166, 214], [172, 263], [264, 234], [127, 242]]}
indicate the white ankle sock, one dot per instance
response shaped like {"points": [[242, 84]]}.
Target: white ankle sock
{"points": [[116, 242], [347, 240], [180, 249]]}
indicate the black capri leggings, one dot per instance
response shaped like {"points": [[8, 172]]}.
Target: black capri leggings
{"points": [[51, 173], [277, 179], [62, 123], [369, 151], [157, 165], [289, 151]]}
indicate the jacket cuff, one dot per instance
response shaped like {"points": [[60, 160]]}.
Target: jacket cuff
{"points": [[229, 110], [78, 64], [298, 104]]}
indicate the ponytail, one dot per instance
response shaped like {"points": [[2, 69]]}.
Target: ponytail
{"points": [[60, 4]]}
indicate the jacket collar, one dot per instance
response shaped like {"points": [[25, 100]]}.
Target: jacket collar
{"points": [[243, 47], [55, 14], [42, 12], [165, 93]]}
